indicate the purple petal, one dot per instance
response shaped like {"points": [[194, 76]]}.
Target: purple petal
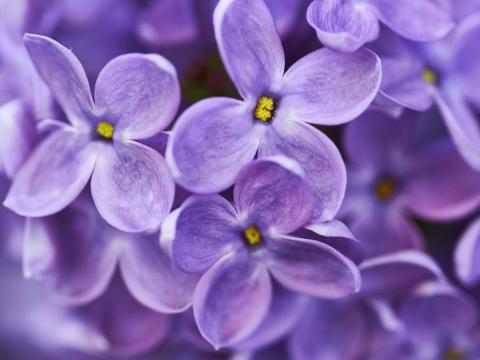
{"points": [[66, 250], [344, 26], [285, 13], [138, 93], [419, 20], [19, 136], [132, 187], [312, 268], [249, 45], [204, 230], [211, 142], [467, 254], [54, 175], [397, 273], [319, 157], [64, 75], [328, 87], [152, 278], [274, 193], [441, 185], [437, 311], [231, 300]]}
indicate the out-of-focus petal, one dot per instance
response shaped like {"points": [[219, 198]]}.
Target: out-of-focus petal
{"points": [[341, 25], [231, 300], [250, 46], [274, 193], [204, 231], [313, 268], [132, 187], [328, 87], [467, 254], [138, 93], [317, 155], [54, 175], [64, 75], [211, 142]]}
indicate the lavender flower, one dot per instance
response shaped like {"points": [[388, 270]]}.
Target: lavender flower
{"points": [[392, 178], [348, 25], [214, 138], [237, 248], [136, 97]]}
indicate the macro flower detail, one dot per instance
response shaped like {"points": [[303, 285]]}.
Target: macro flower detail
{"points": [[237, 249], [136, 96]]}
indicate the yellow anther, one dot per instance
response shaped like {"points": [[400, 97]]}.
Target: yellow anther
{"points": [[264, 109], [385, 188], [105, 129], [429, 76], [252, 235]]}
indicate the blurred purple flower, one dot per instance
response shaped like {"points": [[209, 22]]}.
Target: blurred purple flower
{"points": [[237, 248], [216, 137], [136, 97], [390, 179], [346, 25]]}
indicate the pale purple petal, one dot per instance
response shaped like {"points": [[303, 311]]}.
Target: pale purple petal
{"points": [[312, 268], [395, 274], [285, 13], [66, 251], [231, 300], [19, 135], [467, 254], [441, 186], [140, 94], [317, 155], [204, 231], [152, 278], [419, 20], [54, 175], [249, 45], [132, 187], [64, 75], [274, 194], [343, 25], [329, 88], [211, 142]]}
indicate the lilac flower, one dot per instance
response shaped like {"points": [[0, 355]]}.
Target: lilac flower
{"points": [[390, 179], [467, 253], [237, 248], [350, 328], [136, 97], [347, 25], [77, 254], [214, 138]]}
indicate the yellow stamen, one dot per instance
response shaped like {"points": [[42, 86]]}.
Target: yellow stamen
{"points": [[429, 76], [453, 354], [385, 188], [264, 109], [105, 129], [252, 235]]}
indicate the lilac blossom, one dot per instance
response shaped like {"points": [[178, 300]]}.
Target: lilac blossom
{"points": [[346, 25], [216, 137], [238, 248], [136, 97], [391, 178], [467, 253]]}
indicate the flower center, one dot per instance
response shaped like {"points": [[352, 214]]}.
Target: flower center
{"points": [[385, 188], [252, 235], [105, 129], [265, 109], [453, 354], [430, 76]]}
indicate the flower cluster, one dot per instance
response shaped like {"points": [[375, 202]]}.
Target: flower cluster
{"points": [[239, 179]]}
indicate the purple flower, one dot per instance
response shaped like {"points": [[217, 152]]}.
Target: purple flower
{"points": [[390, 179], [77, 254], [136, 97], [467, 254], [215, 138], [347, 25], [239, 248]]}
